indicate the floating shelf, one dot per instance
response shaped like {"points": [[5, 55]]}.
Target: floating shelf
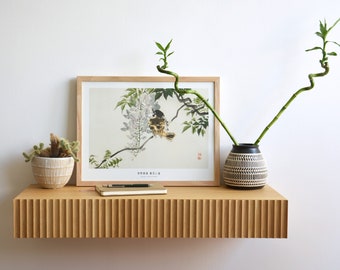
{"points": [[185, 212]]}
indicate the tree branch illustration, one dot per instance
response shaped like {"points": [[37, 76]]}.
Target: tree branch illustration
{"points": [[122, 150]]}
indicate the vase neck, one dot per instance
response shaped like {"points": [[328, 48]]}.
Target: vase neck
{"points": [[245, 148]]}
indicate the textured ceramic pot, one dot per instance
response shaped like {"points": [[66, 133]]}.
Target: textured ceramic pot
{"points": [[245, 167], [52, 172]]}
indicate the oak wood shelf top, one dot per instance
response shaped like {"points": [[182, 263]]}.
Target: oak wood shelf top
{"points": [[185, 212]]}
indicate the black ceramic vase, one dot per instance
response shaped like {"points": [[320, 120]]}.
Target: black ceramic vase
{"points": [[245, 167]]}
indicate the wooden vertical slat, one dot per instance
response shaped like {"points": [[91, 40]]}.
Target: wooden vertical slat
{"points": [[209, 215]]}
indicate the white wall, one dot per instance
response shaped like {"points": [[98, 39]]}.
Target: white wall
{"points": [[256, 47]]}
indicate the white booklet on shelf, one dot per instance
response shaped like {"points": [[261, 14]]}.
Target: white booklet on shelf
{"points": [[130, 189]]}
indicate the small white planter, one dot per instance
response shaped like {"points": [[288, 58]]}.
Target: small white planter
{"points": [[52, 172]]}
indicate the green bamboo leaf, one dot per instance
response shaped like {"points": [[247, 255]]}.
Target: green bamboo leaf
{"points": [[160, 46], [313, 49], [168, 45], [336, 43], [332, 54], [323, 29], [319, 34], [336, 22]]}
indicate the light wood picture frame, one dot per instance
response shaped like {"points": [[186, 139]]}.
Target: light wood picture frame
{"points": [[140, 130]]}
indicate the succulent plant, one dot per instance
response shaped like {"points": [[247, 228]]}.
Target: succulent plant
{"points": [[59, 148]]}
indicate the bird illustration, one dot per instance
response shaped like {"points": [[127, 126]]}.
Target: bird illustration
{"points": [[159, 125]]}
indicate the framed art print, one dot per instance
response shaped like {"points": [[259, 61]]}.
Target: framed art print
{"points": [[139, 129]]}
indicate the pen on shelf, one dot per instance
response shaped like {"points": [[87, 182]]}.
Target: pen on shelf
{"points": [[126, 185]]}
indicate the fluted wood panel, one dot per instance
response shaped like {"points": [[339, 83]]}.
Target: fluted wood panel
{"points": [[210, 212]]}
